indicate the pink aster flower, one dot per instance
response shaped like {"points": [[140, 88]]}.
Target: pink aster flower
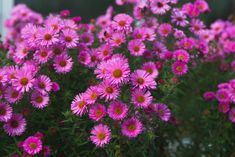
{"points": [[84, 57], [79, 105], [201, 5], [69, 38], [118, 70], [139, 33], [101, 70], [42, 55], [151, 69], [100, 135], [179, 68], [97, 112], [15, 126], [143, 80], [159, 6], [117, 39], [43, 84], [232, 115], [224, 107], [165, 29], [132, 127], [209, 95], [23, 81], [122, 22], [5, 112], [21, 51], [63, 63], [136, 47], [187, 43], [181, 55], [12, 95], [105, 51], [141, 98], [3, 76], [117, 110], [223, 95], [91, 94], [55, 86], [68, 24], [87, 38], [163, 112], [32, 145], [160, 49], [29, 33], [108, 90], [196, 26], [39, 100], [47, 37], [179, 18]]}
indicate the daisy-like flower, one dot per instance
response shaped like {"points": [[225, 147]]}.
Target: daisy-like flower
{"points": [[136, 47], [68, 24], [47, 37], [139, 33], [160, 49], [181, 55], [117, 110], [118, 70], [39, 100], [163, 112], [63, 63], [69, 38], [54, 22], [79, 105], [108, 90], [224, 107], [43, 84], [179, 17], [141, 98], [117, 39], [21, 51], [29, 33], [87, 38], [84, 58], [223, 95], [101, 70], [196, 26], [165, 29], [105, 51], [201, 5], [122, 22], [159, 6], [42, 55], [32, 145], [100, 135], [15, 126], [12, 95], [97, 112], [23, 81], [132, 127], [232, 115], [143, 80], [187, 43], [151, 69], [179, 68], [3, 76], [91, 94], [209, 95], [5, 112]]}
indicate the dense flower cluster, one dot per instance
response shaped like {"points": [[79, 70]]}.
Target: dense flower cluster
{"points": [[127, 54]]}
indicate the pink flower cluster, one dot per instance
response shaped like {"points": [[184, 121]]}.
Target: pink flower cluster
{"points": [[127, 53], [225, 95]]}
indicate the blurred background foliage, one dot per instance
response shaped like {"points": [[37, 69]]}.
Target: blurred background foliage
{"points": [[202, 131]]}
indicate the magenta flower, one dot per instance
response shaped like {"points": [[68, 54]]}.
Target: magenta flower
{"points": [[63, 63], [136, 47], [223, 95], [165, 29], [163, 112], [79, 105], [159, 6], [91, 95], [232, 115], [39, 100], [117, 110], [151, 69], [141, 98], [47, 37], [5, 112], [181, 55], [69, 38], [108, 90], [179, 68], [97, 112], [224, 107], [32, 145], [100, 135], [132, 127]]}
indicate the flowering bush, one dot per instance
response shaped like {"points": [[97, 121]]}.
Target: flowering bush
{"points": [[128, 70]]}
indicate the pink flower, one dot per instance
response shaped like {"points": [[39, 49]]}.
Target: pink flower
{"points": [[63, 63], [141, 98], [23, 81], [141, 79], [47, 37], [79, 105], [165, 29], [100, 135], [224, 107], [181, 55], [163, 112], [43, 84], [223, 95], [117, 110], [151, 69], [69, 38], [232, 115], [32, 145], [136, 47], [179, 68], [97, 112], [39, 100], [42, 55], [132, 127], [159, 6], [15, 126], [122, 22], [108, 90], [5, 112], [87, 38], [179, 18], [91, 95]]}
